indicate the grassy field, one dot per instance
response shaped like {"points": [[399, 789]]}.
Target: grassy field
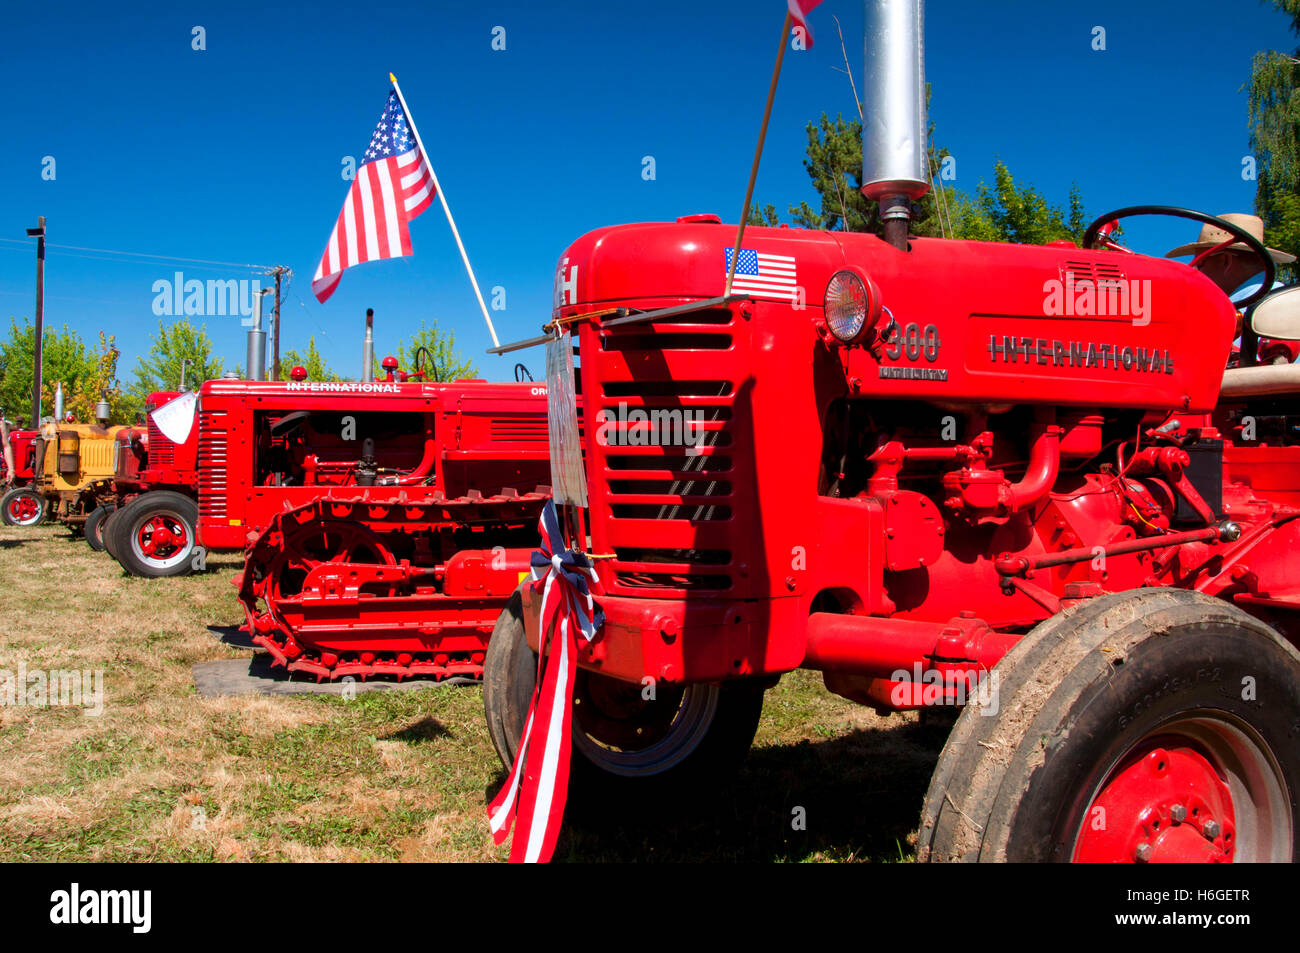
{"points": [[163, 774]]}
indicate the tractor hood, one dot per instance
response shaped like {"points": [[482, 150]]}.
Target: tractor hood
{"points": [[1054, 322]]}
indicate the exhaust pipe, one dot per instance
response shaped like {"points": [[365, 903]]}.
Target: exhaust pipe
{"points": [[895, 158], [368, 348], [257, 343]]}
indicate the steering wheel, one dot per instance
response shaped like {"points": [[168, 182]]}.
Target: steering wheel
{"points": [[1255, 246], [421, 368]]}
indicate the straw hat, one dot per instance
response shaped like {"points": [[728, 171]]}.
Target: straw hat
{"points": [[1212, 235]]}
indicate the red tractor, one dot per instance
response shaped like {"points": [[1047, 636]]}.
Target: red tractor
{"points": [[902, 463], [21, 505], [148, 525], [384, 523]]}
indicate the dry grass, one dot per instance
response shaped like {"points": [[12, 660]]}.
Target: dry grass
{"points": [[165, 775]]}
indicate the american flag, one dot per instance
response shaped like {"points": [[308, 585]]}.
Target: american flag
{"points": [[392, 186], [763, 275], [799, 10], [538, 783]]}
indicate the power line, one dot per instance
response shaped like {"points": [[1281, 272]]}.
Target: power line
{"points": [[129, 261], [140, 254]]}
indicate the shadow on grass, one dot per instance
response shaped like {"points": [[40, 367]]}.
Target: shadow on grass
{"points": [[859, 794], [234, 636], [426, 729]]}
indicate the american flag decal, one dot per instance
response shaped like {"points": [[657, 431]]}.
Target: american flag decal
{"points": [[762, 275], [392, 186]]}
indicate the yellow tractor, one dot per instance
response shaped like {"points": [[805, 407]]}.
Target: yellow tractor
{"points": [[74, 468]]}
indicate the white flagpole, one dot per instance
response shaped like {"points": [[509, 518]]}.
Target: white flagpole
{"points": [[443, 199]]}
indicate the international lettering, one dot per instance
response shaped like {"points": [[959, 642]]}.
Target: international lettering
{"points": [[1050, 352]]}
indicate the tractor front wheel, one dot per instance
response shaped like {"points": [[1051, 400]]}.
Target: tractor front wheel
{"points": [[22, 506], [95, 523], [106, 531], [621, 737], [1150, 726], [154, 535]]}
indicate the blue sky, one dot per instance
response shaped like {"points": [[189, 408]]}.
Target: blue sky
{"points": [[234, 153]]}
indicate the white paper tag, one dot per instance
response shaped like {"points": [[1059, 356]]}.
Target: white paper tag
{"points": [[176, 417]]}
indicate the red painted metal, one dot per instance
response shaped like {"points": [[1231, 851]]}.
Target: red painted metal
{"points": [[24, 452], [160, 537], [1166, 803], [23, 509], [147, 460], [392, 557], [988, 454]]}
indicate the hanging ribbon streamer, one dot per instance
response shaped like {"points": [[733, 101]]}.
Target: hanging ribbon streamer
{"points": [[538, 783]]}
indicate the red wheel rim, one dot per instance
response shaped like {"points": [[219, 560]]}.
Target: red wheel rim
{"points": [[1165, 804], [162, 539], [1201, 789], [24, 509]]}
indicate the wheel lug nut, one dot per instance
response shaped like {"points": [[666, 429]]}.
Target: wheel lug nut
{"points": [[1143, 853], [1178, 813], [1211, 830]]}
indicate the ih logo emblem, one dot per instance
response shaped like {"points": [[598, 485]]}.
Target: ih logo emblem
{"points": [[566, 284]]}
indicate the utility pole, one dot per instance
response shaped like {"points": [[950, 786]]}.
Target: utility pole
{"points": [[278, 272], [38, 233]]}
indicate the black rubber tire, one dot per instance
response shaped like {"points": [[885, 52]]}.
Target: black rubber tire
{"points": [[14, 494], [106, 531], [717, 746], [139, 510], [94, 527], [1079, 692]]}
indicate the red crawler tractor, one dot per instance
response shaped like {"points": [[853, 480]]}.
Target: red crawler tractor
{"points": [[909, 470], [385, 524]]}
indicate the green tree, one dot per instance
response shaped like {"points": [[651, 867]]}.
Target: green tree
{"points": [[1004, 211], [834, 164], [160, 369], [1008, 212], [1274, 116], [310, 360], [83, 398], [66, 359], [448, 364]]}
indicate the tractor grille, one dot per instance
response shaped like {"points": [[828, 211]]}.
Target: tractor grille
{"points": [[1100, 274], [162, 452], [212, 460], [529, 429], [668, 491]]}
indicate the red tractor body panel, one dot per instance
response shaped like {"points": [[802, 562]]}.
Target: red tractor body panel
{"points": [[247, 476], [384, 524], [23, 445], [821, 520], [149, 460]]}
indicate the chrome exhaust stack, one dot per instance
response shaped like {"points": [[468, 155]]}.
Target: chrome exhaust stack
{"points": [[895, 157]]}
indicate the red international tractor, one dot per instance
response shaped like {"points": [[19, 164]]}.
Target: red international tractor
{"points": [[384, 523], [148, 524], [904, 464], [21, 504]]}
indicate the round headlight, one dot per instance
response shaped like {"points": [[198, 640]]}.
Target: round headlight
{"points": [[846, 306]]}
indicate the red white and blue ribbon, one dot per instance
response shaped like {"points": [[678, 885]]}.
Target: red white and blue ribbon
{"points": [[533, 797]]}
